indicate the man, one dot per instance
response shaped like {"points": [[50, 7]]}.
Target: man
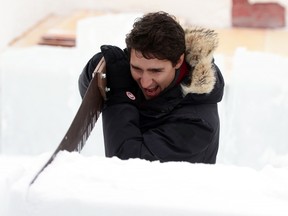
{"points": [[164, 90]]}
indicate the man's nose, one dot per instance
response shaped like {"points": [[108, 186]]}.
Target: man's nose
{"points": [[145, 80]]}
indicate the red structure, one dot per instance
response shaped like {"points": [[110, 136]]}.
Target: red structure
{"points": [[258, 15]]}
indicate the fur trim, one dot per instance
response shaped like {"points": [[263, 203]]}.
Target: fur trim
{"points": [[200, 45]]}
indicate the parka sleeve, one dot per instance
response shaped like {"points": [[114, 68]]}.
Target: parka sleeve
{"points": [[178, 138]]}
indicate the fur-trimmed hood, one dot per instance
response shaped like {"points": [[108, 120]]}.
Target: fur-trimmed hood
{"points": [[200, 46]]}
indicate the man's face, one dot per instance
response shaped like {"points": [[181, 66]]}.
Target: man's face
{"points": [[152, 75]]}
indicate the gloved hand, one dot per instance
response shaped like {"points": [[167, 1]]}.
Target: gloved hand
{"points": [[117, 68], [119, 79]]}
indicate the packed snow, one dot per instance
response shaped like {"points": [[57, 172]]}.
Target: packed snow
{"points": [[75, 184], [39, 98]]}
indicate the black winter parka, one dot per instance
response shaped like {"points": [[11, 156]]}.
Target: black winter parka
{"points": [[181, 124]]}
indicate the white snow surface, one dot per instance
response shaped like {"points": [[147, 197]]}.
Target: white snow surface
{"points": [[91, 185], [39, 98]]}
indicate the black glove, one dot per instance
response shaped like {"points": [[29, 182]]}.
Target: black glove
{"points": [[119, 79], [117, 68]]}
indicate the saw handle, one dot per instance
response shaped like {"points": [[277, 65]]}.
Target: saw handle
{"points": [[100, 72]]}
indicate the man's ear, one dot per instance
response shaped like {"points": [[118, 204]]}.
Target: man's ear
{"points": [[180, 61]]}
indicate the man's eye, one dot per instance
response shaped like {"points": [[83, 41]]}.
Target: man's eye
{"points": [[156, 71], [137, 70]]}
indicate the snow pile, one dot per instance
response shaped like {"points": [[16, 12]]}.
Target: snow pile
{"points": [[74, 184]]}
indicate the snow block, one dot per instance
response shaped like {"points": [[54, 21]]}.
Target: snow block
{"points": [[257, 15], [75, 185]]}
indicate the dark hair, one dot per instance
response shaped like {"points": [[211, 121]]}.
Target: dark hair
{"points": [[157, 35]]}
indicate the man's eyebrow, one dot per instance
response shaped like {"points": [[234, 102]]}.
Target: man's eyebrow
{"points": [[155, 69], [148, 69], [134, 66]]}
